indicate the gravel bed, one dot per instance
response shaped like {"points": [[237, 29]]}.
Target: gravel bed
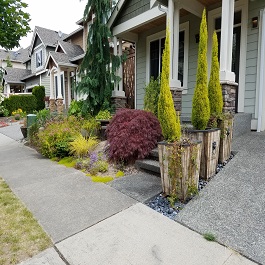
{"points": [[161, 204]]}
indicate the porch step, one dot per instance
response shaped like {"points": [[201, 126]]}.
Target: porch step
{"points": [[154, 154], [148, 165]]}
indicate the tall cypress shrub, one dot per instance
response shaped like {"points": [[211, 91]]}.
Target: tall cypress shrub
{"points": [[168, 119], [214, 87], [39, 93], [200, 103]]}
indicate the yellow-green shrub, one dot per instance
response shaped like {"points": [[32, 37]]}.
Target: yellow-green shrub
{"points": [[81, 146], [214, 87], [168, 119], [200, 103]]}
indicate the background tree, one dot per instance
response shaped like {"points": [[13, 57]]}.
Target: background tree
{"points": [[8, 62], [14, 23], [214, 87], [99, 66], [200, 103]]}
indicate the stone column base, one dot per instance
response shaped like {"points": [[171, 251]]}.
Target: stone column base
{"points": [[177, 98], [60, 106], [229, 96], [118, 103], [52, 105]]}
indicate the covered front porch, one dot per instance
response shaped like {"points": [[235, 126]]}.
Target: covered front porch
{"points": [[146, 28]]}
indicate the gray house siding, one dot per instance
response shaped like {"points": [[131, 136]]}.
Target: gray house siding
{"points": [[33, 81], [132, 9], [141, 64], [45, 81], [194, 29], [252, 58]]}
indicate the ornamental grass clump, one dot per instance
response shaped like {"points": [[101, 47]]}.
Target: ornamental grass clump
{"points": [[200, 103], [132, 134], [169, 121]]}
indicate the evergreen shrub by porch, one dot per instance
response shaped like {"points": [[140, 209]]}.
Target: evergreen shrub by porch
{"points": [[132, 134], [151, 96], [200, 102], [39, 93], [55, 140], [214, 87], [27, 103], [169, 121]]}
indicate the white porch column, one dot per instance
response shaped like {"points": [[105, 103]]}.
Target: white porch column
{"points": [[118, 92], [170, 24], [69, 87], [227, 41], [175, 83], [59, 83], [51, 84], [8, 91]]}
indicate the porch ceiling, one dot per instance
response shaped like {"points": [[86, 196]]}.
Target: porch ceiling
{"points": [[162, 20]]}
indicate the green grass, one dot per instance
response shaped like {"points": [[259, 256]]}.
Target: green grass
{"points": [[209, 236], [67, 161], [21, 237], [103, 179]]}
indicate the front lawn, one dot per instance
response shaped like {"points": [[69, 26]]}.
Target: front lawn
{"points": [[21, 237]]}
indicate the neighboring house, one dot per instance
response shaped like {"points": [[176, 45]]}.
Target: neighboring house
{"points": [[43, 41], [241, 37], [16, 58]]}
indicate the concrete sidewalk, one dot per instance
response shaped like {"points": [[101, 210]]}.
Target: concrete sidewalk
{"points": [[232, 206], [93, 223]]}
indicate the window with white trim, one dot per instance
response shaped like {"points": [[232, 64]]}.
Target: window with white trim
{"points": [[155, 47], [39, 58], [156, 52]]}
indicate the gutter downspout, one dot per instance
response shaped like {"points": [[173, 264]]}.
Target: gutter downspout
{"points": [[160, 8], [261, 69]]}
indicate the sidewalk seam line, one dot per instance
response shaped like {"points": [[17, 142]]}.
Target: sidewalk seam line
{"points": [[61, 255]]}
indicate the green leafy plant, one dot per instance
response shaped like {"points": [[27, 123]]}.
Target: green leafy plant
{"points": [[75, 108], [103, 115], [55, 139], [200, 102], [3, 111], [43, 116], [151, 96], [39, 93], [91, 126], [82, 146], [119, 174], [168, 119], [67, 161], [209, 236], [102, 166]]}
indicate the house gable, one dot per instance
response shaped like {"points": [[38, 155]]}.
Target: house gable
{"points": [[37, 41], [131, 9]]}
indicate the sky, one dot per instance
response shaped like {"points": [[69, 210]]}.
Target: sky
{"points": [[53, 14]]}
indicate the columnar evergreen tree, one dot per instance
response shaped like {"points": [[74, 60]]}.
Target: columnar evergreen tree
{"points": [[214, 87], [200, 103], [97, 74], [168, 119]]}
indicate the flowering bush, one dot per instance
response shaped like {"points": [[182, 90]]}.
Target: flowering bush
{"points": [[55, 140], [132, 134], [18, 113]]}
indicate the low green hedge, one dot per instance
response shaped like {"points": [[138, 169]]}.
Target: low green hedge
{"points": [[27, 103]]}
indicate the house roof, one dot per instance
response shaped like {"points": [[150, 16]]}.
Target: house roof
{"points": [[15, 75], [15, 56], [73, 33], [47, 36], [72, 50], [61, 59]]}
